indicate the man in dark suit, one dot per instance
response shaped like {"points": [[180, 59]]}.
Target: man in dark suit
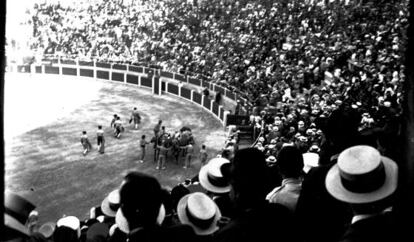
{"points": [[142, 212], [254, 218], [367, 181], [323, 218]]}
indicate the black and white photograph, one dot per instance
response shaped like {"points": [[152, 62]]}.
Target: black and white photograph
{"points": [[207, 121]]}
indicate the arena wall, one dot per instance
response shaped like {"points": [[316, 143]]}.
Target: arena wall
{"points": [[144, 77]]}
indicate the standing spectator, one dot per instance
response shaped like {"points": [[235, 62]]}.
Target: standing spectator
{"points": [[135, 118], [255, 219], [367, 181], [203, 155], [142, 212], [100, 140], [87, 146], [143, 144], [290, 164], [321, 217], [201, 213]]}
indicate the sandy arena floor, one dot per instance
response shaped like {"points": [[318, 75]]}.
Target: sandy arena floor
{"points": [[44, 117]]}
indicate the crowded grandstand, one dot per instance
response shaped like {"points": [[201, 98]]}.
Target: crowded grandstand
{"points": [[323, 84]]}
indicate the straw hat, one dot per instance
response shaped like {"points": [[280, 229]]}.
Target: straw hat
{"points": [[122, 222], [71, 222], [200, 212], [111, 203], [47, 229], [211, 177], [362, 175], [271, 159]]}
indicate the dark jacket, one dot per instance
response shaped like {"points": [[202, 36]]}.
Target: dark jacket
{"points": [[178, 233], [322, 218], [267, 222], [380, 228]]}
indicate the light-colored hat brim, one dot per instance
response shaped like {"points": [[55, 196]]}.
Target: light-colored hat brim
{"points": [[182, 216], [47, 229], [71, 222], [122, 222], [203, 179], [106, 209], [13, 223], [336, 189]]}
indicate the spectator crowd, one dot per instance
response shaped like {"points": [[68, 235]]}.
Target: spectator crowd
{"points": [[295, 61], [325, 79]]}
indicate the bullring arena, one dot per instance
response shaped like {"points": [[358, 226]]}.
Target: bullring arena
{"points": [[44, 117], [298, 117]]}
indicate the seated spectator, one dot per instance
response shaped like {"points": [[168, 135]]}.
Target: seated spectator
{"points": [[142, 211], [255, 219], [108, 208], [111, 203], [217, 186], [211, 178], [367, 181], [67, 230], [201, 213], [290, 163], [98, 232], [47, 229], [16, 215]]}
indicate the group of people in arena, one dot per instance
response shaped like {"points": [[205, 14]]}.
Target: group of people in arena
{"points": [[177, 144], [326, 82], [116, 125]]}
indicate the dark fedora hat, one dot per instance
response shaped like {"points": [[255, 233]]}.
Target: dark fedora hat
{"points": [[17, 211]]}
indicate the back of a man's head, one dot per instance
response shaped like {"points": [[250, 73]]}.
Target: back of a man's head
{"points": [[290, 162], [249, 176], [341, 128], [141, 198]]}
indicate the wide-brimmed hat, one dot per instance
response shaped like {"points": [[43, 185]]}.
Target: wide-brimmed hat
{"points": [[47, 229], [71, 222], [310, 159], [362, 175], [200, 212], [211, 177], [111, 203], [271, 159], [17, 211], [122, 222]]}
